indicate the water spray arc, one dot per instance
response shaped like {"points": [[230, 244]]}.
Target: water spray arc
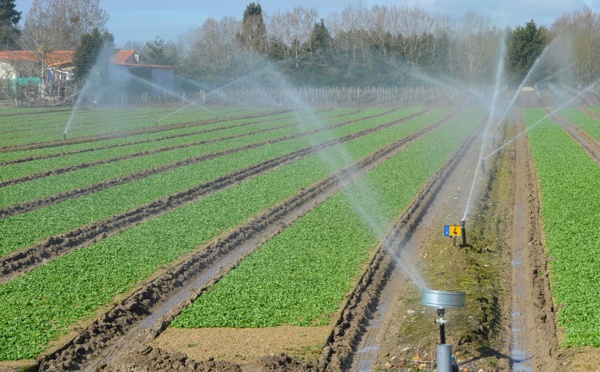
{"points": [[171, 93], [565, 104], [214, 92], [518, 91], [491, 118]]}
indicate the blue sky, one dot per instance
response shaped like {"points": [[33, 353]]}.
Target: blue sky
{"points": [[145, 20]]}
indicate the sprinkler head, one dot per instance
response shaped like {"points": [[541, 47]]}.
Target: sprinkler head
{"points": [[443, 299]]}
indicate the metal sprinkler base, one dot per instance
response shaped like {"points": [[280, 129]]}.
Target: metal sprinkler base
{"points": [[442, 300]]}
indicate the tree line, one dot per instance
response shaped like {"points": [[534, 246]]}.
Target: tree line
{"points": [[360, 45]]}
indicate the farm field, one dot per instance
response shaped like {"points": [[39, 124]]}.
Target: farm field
{"points": [[157, 226]]}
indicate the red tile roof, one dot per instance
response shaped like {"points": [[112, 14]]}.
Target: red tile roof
{"points": [[60, 57], [123, 57], [18, 55], [53, 59], [66, 57]]}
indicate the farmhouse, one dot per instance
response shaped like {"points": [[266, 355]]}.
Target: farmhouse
{"points": [[57, 66], [27, 67], [126, 67]]}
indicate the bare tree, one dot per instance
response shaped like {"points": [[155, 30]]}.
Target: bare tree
{"points": [[578, 39], [58, 24], [293, 28], [477, 43], [212, 47]]}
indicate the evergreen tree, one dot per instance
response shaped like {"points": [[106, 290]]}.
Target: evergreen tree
{"points": [[254, 31], [158, 52], [524, 47], [9, 18], [94, 50], [320, 38]]}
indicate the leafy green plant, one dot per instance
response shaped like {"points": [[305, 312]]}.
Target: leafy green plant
{"points": [[301, 276], [46, 302], [571, 200]]}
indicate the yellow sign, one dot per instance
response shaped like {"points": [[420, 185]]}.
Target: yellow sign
{"points": [[452, 230]]}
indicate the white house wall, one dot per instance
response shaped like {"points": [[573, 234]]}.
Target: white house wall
{"points": [[7, 71]]}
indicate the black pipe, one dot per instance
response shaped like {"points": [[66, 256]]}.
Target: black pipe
{"points": [[442, 333]]}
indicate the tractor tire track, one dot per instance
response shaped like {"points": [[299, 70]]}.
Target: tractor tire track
{"points": [[25, 260], [147, 312], [61, 197]]}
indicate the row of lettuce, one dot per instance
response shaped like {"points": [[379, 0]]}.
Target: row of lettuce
{"points": [[50, 125], [570, 180], [116, 161], [26, 229], [301, 276], [40, 306], [193, 125]]}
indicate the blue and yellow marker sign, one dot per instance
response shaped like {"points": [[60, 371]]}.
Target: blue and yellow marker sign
{"points": [[452, 230]]}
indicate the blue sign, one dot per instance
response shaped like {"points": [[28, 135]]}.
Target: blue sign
{"points": [[452, 230]]}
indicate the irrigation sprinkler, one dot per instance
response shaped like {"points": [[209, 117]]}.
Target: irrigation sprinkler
{"points": [[463, 233], [443, 300]]}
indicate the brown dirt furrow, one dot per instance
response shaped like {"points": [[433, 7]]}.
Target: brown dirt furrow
{"points": [[132, 132], [534, 341], [59, 154], [591, 113], [63, 170], [339, 354], [146, 313], [25, 260], [589, 144], [61, 197]]}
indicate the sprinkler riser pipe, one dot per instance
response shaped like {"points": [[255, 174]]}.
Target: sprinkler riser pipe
{"points": [[444, 358], [442, 333]]}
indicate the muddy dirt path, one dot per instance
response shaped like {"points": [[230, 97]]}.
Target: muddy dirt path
{"points": [[443, 206], [27, 259], [149, 310], [523, 328], [96, 187], [533, 341]]}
